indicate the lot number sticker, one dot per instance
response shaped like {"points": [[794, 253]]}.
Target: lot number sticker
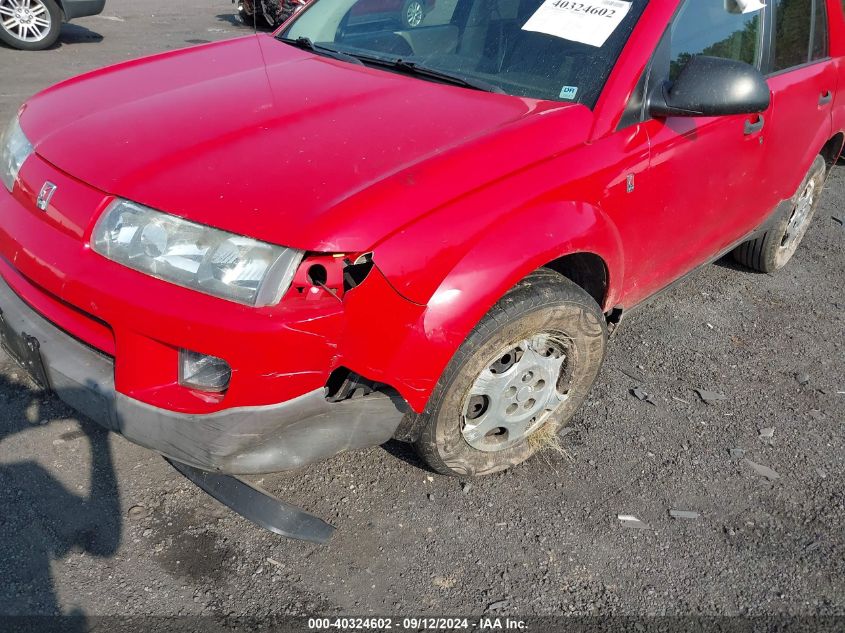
{"points": [[589, 22]]}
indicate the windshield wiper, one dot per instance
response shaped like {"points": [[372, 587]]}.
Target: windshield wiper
{"points": [[420, 70], [306, 44], [400, 65]]}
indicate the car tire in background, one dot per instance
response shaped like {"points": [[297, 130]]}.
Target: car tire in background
{"points": [[773, 250], [413, 13], [33, 26], [517, 379]]}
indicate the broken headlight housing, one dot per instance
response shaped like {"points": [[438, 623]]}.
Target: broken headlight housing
{"points": [[195, 256], [15, 148]]}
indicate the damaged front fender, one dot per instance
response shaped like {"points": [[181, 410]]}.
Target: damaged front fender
{"points": [[391, 338]]}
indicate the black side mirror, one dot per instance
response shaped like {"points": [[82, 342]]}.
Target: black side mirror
{"points": [[711, 86]]}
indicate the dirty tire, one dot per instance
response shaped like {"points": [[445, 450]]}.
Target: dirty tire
{"points": [[544, 301], [773, 250], [45, 40]]}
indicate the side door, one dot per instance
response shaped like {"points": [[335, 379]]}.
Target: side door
{"points": [[704, 174], [804, 80]]}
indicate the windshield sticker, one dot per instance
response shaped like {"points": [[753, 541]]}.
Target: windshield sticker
{"points": [[589, 22], [568, 92]]}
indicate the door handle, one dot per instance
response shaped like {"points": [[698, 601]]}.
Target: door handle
{"points": [[756, 126], [825, 98]]}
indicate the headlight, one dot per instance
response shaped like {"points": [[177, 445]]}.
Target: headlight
{"points": [[195, 256], [15, 148]]}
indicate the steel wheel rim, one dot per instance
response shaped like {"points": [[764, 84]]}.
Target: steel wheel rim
{"points": [[518, 391], [414, 14], [797, 224], [25, 20]]}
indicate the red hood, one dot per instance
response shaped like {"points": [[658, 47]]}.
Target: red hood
{"points": [[260, 138]]}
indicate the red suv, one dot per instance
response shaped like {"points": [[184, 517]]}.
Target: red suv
{"points": [[437, 228]]}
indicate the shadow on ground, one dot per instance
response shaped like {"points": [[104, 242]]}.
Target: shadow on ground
{"points": [[70, 34], [76, 34], [42, 520]]}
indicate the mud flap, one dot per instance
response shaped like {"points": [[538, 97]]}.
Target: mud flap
{"points": [[258, 506]]}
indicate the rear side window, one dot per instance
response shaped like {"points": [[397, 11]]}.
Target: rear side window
{"points": [[717, 28], [800, 32]]}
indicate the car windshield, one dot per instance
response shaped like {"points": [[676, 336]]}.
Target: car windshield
{"points": [[543, 49]]}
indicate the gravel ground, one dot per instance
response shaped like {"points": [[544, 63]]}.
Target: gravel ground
{"points": [[91, 524]]}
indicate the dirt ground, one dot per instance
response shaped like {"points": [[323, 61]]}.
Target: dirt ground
{"points": [[93, 525]]}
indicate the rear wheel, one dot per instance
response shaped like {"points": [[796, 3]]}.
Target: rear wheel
{"points": [[30, 25], [773, 250], [523, 371]]}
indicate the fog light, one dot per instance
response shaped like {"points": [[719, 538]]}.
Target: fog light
{"points": [[206, 373]]}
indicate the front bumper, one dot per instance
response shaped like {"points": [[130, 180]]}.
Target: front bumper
{"points": [[246, 440]]}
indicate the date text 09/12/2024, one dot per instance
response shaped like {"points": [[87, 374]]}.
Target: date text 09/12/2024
{"points": [[417, 624]]}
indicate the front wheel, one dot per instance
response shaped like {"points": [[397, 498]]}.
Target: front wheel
{"points": [[30, 25], [522, 372]]}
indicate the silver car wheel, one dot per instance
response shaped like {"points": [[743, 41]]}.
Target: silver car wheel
{"points": [[798, 223], [516, 394], [414, 14], [25, 20]]}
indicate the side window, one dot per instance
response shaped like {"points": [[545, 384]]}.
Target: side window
{"points": [[717, 28], [800, 32]]}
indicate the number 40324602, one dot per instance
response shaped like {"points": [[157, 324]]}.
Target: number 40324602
{"points": [[582, 7]]}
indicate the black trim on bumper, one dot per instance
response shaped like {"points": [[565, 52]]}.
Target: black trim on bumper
{"points": [[248, 440]]}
